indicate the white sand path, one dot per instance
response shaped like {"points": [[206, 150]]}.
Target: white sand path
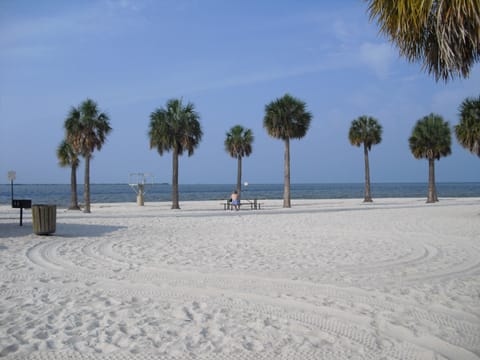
{"points": [[326, 279]]}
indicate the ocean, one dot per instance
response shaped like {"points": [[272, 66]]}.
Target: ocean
{"points": [[59, 194]]}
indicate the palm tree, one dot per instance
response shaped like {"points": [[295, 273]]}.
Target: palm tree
{"points": [[286, 118], [431, 139], [87, 129], [177, 128], [367, 131], [445, 35], [68, 157], [468, 130], [239, 144]]}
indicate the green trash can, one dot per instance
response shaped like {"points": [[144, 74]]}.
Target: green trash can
{"points": [[44, 219]]}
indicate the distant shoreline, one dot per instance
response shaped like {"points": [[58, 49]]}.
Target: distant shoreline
{"points": [[59, 194], [230, 184]]}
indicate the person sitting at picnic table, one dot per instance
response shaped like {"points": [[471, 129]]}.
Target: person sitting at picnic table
{"points": [[234, 200]]}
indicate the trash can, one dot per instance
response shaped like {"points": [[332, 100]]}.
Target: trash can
{"points": [[44, 219]]}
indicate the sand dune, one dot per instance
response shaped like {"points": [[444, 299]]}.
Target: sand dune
{"points": [[326, 279]]}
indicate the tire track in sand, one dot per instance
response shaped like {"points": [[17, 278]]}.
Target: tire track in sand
{"points": [[46, 255]]}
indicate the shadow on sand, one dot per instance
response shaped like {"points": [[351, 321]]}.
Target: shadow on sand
{"points": [[12, 230], [85, 230]]}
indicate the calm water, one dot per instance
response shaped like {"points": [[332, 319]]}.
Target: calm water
{"points": [[104, 193]]}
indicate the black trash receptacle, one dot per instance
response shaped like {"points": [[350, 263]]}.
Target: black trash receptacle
{"points": [[44, 219]]}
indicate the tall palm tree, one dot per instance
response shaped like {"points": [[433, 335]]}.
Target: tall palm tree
{"points": [[468, 130], [287, 118], [431, 139], [239, 144], [445, 35], [367, 131], [175, 128], [87, 129], [68, 157]]}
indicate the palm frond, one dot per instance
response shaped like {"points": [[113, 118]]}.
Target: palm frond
{"points": [[239, 141], [365, 130], [443, 35], [287, 118], [176, 126], [467, 131], [431, 138]]}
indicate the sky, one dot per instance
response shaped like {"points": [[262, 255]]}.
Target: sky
{"points": [[230, 59]]}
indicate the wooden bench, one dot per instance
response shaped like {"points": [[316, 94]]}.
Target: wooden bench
{"points": [[254, 205]]}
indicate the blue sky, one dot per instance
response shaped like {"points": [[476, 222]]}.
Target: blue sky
{"points": [[230, 59]]}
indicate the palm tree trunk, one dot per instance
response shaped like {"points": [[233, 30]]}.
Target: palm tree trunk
{"points": [[86, 192], [73, 190], [432, 193], [368, 194], [286, 182], [175, 204], [435, 197], [239, 176]]}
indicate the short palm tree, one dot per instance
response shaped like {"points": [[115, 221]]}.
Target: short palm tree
{"points": [[468, 130], [443, 34], [287, 118], [68, 157], [239, 144], [87, 129], [175, 128], [431, 139], [367, 131]]}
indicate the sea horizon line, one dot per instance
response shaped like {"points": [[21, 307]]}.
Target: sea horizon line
{"points": [[260, 183]]}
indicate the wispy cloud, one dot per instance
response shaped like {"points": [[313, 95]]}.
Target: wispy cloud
{"points": [[24, 37], [340, 30], [129, 5], [378, 57], [44, 32]]}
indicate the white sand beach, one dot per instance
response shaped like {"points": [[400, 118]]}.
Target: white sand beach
{"points": [[326, 279]]}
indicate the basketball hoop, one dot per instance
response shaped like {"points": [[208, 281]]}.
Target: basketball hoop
{"points": [[137, 182]]}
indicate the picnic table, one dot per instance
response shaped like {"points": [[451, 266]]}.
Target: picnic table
{"points": [[253, 205]]}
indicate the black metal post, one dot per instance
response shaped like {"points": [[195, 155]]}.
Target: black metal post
{"points": [[21, 216], [11, 191]]}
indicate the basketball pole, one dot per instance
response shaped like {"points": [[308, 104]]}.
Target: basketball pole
{"points": [[137, 182]]}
